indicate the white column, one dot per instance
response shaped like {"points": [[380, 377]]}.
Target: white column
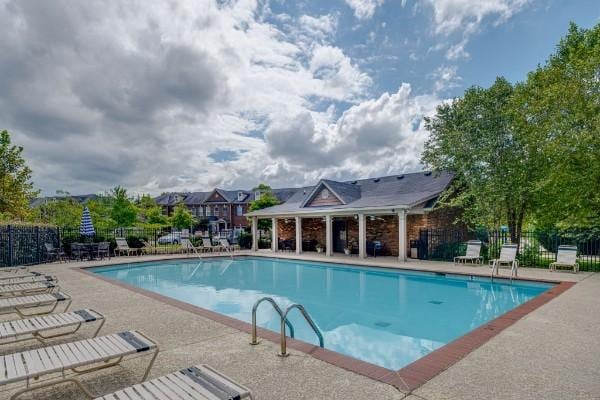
{"points": [[274, 235], [298, 235], [328, 236], [402, 236], [362, 236], [254, 233]]}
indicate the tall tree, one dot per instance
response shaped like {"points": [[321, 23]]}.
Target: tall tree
{"points": [[123, 211], [16, 187], [559, 107], [496, 171]]}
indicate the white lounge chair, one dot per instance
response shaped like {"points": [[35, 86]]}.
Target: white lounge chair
{"points": [[195, 383], [27, 288], [228, 246], [37, 304], [41, 328], [566, 257], [75, 358], [27, 278], [472, 254], [10, 273], [123, 248], [208, 246], [508, 256], [187, 246], [16, 271]]}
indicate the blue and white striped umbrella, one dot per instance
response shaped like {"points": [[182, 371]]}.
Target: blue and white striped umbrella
{"points": [[86, 228]]}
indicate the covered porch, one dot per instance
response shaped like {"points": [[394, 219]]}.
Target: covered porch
{"points": [[360, 233]]}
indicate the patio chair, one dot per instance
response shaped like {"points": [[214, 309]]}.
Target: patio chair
{"points": [[27, 278], [566, 257], [27, 288], [37, 304], [374, 247], [54, 253], [508, 256], [473, 253], [123, 248], [53, 363], [79, 251], [49, 326], [201, 382], [228, 246], [187, 246], [208, 246], [103, 250], [19, 274]]}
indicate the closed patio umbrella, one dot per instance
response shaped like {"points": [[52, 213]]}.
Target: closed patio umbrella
{"points": [[86, 228]]}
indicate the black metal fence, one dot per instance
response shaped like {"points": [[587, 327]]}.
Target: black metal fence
{"points": [[25, 245], [536, 248]]}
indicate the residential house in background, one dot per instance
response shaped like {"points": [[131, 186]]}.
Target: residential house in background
{"points": [[223, 209]]}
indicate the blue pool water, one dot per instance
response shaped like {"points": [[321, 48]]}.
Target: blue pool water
{"points": [[386, 317]]}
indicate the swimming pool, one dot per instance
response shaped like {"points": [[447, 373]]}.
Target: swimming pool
{"points": [[385, 317]]}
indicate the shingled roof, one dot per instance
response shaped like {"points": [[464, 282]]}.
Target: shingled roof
{"points": [[401, 191]]}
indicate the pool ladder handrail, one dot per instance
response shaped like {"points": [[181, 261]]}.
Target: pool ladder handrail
{"points": [[283, 343], [277, 309]]}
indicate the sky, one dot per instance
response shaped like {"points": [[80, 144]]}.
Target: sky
{"points": [[188, 95]]}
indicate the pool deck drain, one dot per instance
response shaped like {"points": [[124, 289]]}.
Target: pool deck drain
{"points": [[528, 352]]}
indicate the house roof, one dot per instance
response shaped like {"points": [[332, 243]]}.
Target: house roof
{"points": [[401, 191]]}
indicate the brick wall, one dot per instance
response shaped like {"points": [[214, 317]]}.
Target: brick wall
{"points": [[313, 229], [383, 228], [286, 230], [438, 219]]}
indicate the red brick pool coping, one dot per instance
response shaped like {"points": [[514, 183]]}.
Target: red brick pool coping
{"points": [[406, 379]]}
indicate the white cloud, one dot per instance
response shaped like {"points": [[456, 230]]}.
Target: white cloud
{"points": [[364, 9], [465, 17], [459, 15], [140, 94], [445, 77], [320, 27], [376, 137]]}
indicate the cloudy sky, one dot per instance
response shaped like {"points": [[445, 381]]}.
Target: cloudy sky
{"points": [[192, 94]]}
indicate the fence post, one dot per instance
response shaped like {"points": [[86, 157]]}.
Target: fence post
{"points": [[37, 244], [10, 245]]}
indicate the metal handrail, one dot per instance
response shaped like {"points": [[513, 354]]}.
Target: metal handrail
{"points": [[277, 309], [313, 325]]}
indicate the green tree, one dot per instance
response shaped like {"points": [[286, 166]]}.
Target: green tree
{"points": [[60, 212], [497, 169], [149, 212], [101, 210], [266, 199], [559, 107], [123, 211], [16, 187], [182, 218]]}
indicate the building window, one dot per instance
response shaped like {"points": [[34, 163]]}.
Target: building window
{"points": [[239, 210], [216, 211], [225, 211], [257, 195], [240, 196], [208, 211]]}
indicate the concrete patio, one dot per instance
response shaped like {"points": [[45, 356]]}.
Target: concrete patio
{"points": [[551, 353]]}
